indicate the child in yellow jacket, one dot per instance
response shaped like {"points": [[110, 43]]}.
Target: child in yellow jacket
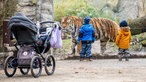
{"points": [[123, 40]]}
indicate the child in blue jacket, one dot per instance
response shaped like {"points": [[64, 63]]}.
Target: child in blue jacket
{"points": [[86, 36]]}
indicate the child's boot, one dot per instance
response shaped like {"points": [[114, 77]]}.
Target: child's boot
{"points": [[81, 59], [120, 57], [126, 58]]}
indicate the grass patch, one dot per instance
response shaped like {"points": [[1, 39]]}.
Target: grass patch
{"points": [[66, 46]]}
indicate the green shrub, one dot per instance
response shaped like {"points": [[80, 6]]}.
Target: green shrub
{"points": [[135, 27], [138, 25], [80, 8], [73, 8], [143, 42]]}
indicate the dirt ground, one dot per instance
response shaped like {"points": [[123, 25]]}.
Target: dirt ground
{"points": [[98, 70]]}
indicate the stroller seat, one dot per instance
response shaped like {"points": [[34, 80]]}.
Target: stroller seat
{"points": [[45, 34]]}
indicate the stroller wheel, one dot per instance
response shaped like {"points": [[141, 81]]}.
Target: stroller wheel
{"points": [[24, 71], [10, 66], [36, 66], [49, 65]]}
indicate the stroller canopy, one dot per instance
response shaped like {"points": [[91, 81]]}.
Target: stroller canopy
{"points": [[24, 30], [21, 20]]}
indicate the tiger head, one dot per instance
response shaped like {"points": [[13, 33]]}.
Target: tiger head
{"points": [[64, 22], [72, 23]]}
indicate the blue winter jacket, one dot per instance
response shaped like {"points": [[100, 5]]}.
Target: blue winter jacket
{"points": [[86, 33]]}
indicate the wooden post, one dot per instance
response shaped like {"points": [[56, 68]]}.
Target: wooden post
{"points": [[6, 34]]}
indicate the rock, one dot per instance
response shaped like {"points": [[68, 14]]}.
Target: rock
{"points": [[31, 9], [28, 8], [130, 9], [122, 9], [125, 7], [138, 25]]}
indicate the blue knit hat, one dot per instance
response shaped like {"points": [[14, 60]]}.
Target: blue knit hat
{"points": [[123, 23], [87, 20]]}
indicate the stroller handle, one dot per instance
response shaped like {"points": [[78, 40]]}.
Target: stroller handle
{"points": [[47, 22], [38, 25]]}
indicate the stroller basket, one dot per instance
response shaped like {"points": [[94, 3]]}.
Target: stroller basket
{"points": [[25, 55]]}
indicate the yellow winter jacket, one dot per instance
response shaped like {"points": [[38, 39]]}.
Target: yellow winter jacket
{"points": [[123, 38]]}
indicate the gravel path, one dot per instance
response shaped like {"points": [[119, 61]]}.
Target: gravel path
{"points": [[98, 70]]}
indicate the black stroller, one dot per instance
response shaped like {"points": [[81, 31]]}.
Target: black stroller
{"points": [[32, 42]]}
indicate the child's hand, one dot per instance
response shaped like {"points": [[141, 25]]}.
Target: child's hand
{"points": [[78, 42], [92, 41]]}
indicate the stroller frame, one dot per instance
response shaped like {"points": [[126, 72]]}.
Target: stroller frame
{"points": [[37, 61]]}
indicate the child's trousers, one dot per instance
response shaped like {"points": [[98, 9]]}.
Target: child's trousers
{"points": [[86, 51]]}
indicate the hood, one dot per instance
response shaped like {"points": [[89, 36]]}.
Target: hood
{"points": [[87, 28], [125, 31], [87, 20]]}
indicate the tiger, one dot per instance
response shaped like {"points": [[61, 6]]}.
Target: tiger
{"points": [[105, 30]]}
